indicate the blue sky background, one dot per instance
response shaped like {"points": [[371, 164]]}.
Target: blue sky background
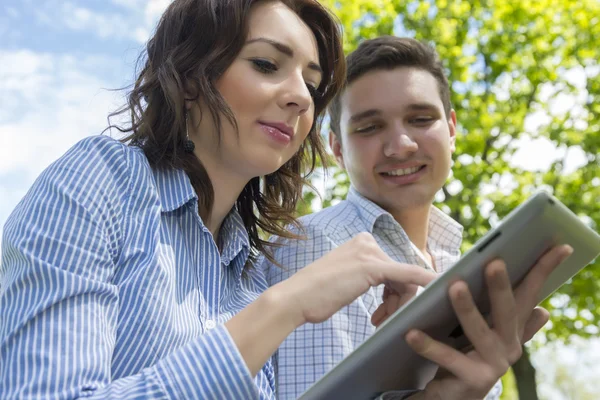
{"points": [[58, 62]]}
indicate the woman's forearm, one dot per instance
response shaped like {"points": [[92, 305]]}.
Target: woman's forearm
{"points": [[262, 326]]}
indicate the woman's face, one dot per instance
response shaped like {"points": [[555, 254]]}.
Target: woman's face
{"points": [[270, 88]]}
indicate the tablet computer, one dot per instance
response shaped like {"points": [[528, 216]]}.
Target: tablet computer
{"points": [[384, 362]]}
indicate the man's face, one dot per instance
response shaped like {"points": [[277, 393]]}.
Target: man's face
{"points": [[396, 140]]}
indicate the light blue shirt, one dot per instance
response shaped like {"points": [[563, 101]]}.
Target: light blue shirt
{"points": [[314, 349], [112, 287]]}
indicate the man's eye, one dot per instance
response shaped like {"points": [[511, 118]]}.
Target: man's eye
{"points": [[367, 129], [264, 66], [422, 120]]}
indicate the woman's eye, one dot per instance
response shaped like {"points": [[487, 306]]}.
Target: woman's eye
{"points": [[264, 66]]}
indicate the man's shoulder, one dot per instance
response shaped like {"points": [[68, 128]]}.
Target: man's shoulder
{"points": [[330, 220], [320, 233]]}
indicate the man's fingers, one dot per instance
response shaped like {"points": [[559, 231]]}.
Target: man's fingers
{"points": [[390, 304], [392, 301], [386, 292], [443, 355], [474, 325], [502, 301], [379, 315], [538, 318]]}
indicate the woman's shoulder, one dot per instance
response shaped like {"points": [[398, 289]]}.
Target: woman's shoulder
{"points": [[103, 147], [98, 158], [95, 167]]}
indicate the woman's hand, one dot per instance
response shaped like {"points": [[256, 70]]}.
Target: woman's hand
{"points": [[315, 293], [322, 288]]}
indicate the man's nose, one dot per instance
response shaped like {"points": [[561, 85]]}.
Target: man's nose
{"points": [[400, 143]]}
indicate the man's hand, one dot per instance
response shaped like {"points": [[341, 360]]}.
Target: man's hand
{"points": [[393, 299], [471, 375], [322, 288]]}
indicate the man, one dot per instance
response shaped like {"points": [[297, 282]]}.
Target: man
{"points": [[393, 130]]}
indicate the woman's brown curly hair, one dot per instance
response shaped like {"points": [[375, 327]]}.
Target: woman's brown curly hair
{"points": [[194, 43]]}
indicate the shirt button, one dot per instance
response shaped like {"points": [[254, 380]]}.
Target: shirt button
{"points": [[210, 324]]}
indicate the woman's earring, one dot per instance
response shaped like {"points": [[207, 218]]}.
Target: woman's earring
{"points": [[188, 145]]}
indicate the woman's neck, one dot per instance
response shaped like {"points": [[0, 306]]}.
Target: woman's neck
{"points": [[226, 190]]}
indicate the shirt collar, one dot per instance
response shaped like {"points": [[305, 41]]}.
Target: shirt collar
{"points": [[368, 211], [174, 188], [443, 230], [235, 240]]}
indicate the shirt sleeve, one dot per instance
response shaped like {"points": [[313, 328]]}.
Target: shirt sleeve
{"points": [[294, 254], [496, 392], [59, 308]]}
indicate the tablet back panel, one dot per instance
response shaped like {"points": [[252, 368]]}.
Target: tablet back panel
{"points": [[385, 362]]}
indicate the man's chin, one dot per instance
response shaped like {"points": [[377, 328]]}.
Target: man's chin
{"points": [[410, 200]]}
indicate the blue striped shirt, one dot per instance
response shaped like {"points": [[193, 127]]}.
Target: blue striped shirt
{"points": [[112, 287]]}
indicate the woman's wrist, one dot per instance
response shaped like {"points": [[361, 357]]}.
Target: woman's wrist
{"points": [[263, 325], [283, 298]]}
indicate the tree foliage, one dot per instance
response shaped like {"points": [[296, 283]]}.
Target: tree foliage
{"points": [[520, 70], [514, 65]]}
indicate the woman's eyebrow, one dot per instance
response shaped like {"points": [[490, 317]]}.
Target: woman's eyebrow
{"points": [[285, 49]]}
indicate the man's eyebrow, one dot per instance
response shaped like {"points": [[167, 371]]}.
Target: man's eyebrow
{"points": [[364, 115], [285, 49], [375, 112], [422, 107]]}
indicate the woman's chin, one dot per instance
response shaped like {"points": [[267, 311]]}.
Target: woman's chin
{"points": [[258, 172], [266, 165]]}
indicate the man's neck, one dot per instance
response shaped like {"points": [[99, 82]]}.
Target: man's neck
{"points": [[415, 222]]}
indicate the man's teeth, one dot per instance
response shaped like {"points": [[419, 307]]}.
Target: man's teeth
{"points": [[404, 171]]}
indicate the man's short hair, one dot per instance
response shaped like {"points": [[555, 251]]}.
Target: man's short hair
{"points": [[387, 53]]}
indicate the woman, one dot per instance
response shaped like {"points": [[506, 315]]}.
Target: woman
{"points": [[125, 269]]}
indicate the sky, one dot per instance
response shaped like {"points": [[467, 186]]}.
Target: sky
{"points": [[59, 64]]}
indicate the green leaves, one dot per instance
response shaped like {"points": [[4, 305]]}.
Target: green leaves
{"points": [[527, 67]]}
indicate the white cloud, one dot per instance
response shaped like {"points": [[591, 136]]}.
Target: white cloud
{"points": [[133, 21], [141, 35], [48, 103], [104, 25], [154, 10], [131, 4], [58, 101], [150, 9]]}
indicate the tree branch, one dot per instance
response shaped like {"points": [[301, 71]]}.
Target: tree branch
{"points": [[525, 377]]}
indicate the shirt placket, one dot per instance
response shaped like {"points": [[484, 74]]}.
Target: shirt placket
{"points": [[419, 258], [209, 262]]}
